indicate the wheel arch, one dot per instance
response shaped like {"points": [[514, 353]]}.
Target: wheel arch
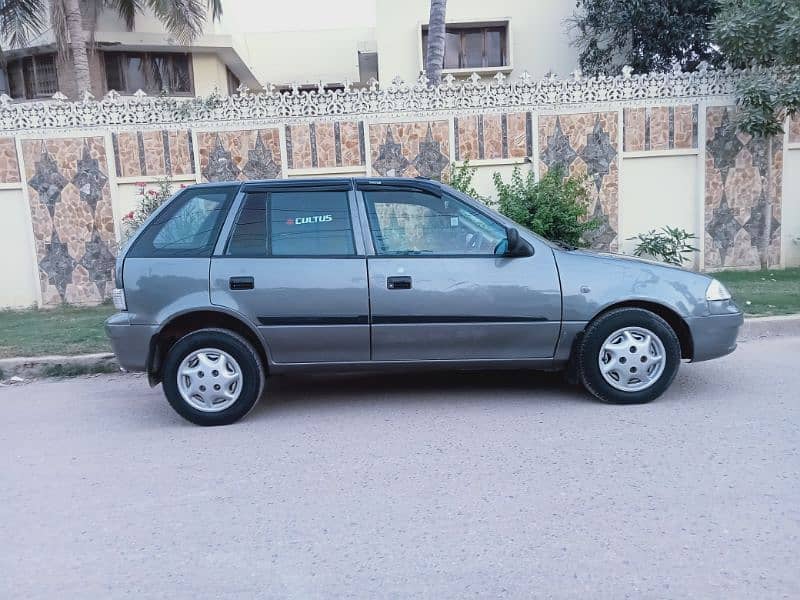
{"points": [[183, 323], [673, 319]]}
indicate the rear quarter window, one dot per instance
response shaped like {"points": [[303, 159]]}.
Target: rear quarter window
{"points": [[188, 226]]}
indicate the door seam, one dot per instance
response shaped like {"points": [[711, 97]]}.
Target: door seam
{"points": [[369, 305]]}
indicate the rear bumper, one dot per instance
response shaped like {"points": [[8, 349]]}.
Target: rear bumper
{"points": [[131, 343], [715, 335]]}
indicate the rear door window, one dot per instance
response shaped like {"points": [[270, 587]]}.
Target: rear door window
{"points": [[294, 223], [187, 227]]}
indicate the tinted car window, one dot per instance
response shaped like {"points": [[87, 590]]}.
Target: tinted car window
{"points": [[413, 222], [188, 226], [249, 236], [310, 224]]}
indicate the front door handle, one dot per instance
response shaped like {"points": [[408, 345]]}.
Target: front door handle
{"points": [[398, 283], [241, 283]]}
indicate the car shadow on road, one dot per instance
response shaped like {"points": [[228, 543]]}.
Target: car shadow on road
{"points": [[288, 393]]}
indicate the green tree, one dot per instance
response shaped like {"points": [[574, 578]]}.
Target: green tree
{"points": [[648, 35], [764, 36], [434, 61], [21, 20], [555, 207]]}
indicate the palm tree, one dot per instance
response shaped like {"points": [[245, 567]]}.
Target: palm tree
{"points": [[436, 42], [22, 19]]}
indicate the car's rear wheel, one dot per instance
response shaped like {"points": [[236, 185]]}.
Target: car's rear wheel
{"points": [[628, 356], [212, 377]]}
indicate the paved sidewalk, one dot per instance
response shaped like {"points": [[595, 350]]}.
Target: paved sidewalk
{"points": [[503, 485]]}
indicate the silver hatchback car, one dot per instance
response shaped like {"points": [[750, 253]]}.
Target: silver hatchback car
{"points": [[229, 283]]}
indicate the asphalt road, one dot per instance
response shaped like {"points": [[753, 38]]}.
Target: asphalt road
{"points": [[445, 486]]}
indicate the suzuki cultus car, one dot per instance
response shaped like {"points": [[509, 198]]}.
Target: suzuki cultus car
{"points": [[227, 284]]}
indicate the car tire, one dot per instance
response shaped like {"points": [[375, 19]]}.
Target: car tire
{"points": [[212, 377], [618, 356]]}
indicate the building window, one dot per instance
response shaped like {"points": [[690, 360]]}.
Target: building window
{"points": [[33, 76], [127, 72], [472, 46], [311, 87], [367, 66], [233, 82]]}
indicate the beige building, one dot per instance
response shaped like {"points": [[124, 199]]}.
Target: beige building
{"points": [[356, 42]]}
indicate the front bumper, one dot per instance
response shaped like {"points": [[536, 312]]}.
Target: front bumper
{"points": [[131, 343], [714, 335]]}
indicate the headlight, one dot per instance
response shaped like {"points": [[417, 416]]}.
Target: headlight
{"points": [[717, 291], [118, 296]]}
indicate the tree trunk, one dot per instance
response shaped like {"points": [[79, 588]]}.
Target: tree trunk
{"points": [[77, 45], [766, 230], [436, 42]]}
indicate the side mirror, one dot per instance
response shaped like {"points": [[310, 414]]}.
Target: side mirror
{"points": [[516, 246]]}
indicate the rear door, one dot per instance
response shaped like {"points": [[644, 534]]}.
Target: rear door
{"points": [[439, 290], [295, 267]]}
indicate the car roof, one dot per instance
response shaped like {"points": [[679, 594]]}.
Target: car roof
{"points": [[412, 182]]}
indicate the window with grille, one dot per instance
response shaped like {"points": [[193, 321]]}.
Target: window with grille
{"points": [[472, 46], [232, 81], [154, 73], [33, 76]]}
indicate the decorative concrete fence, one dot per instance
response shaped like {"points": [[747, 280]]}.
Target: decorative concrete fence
{"points": [[656, 150]]}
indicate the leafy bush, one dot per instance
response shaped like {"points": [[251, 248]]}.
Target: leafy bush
{"points": [[555, 207], [670, 245], [149, 200], [461, 179]]}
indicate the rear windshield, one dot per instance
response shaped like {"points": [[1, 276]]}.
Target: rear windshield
{"points": [[188, 226]]}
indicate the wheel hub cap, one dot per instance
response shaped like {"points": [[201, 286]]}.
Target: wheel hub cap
{"points": [[632, 359], [209, 380]]}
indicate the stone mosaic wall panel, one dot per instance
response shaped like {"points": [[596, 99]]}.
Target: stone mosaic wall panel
{"points": [[660, 128], [73, 223], [410, 149], [494, 136], [325, 145], [9, 165], [240, 155], [586, 146], [155, 153], [736, 167]]}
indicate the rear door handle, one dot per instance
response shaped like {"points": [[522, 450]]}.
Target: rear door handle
{"points": [[398, 283], [241, 283]]}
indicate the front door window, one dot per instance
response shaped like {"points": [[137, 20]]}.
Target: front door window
{"points": [[412, 223]]}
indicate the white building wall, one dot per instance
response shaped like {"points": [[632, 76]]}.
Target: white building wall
{"points": [[538, 36], [655, 192], [790, 223], [326, 55], [18, 285]]}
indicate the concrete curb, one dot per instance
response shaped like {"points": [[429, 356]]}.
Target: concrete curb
{"points": [[48, 366], [762, 327]]}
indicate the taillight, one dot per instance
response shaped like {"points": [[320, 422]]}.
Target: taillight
{"points": [[118, 296]]}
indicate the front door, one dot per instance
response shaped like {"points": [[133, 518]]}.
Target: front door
{"points": [[293, 266], [439, 291]]}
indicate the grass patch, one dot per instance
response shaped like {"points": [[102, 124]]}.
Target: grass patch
{"points": [[774, 292], [77, 370], [62, 330]]}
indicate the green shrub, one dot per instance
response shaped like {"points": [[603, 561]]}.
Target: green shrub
{"points": [[555, 207], [670, 245], [149, 200], [461, 179]]}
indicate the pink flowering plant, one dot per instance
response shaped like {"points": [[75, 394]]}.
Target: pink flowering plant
{"points": [[149, 199]]}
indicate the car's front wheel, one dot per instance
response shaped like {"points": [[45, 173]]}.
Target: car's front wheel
{"points": [[212, 377], [628, 356]]}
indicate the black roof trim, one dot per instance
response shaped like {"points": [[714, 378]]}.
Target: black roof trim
{"points": [[399, 183], [273, 185]]}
